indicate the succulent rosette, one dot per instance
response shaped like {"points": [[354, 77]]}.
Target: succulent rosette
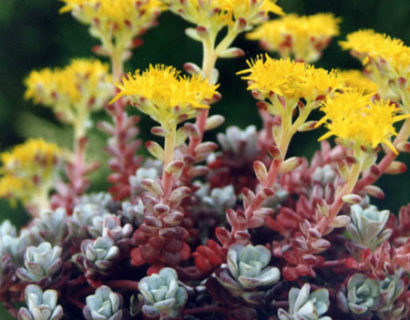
{"points": [[161, 294], [304, 305], [367, 227], [41, 262], [40, 305], [248, 269], [103, 305], [363, 295]]}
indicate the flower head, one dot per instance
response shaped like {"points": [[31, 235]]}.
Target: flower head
{"points": [[360, 122], [165, 95], [288, 79], [115, 22], [355, 79], [72, 92], [29, 170], [216, 14], [302, 37], [386, 59]]}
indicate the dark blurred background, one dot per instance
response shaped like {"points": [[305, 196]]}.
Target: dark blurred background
{"points": [[34, 35]]}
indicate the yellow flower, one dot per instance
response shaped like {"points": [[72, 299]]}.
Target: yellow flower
{"points": [[288, 79], [355, 79], [165, 95], [29, 170], [72, 92], [386, 59], [216, 14], [301, 37], [115, 22], [359, 122]]}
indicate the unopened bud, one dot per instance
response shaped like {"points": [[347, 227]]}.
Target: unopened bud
{"points": [[214, 121], [214, 76], [193, 34], [192, 68], [290, 164], [308, 126], [155, 150], [352, 198], [206, 147], [158, 131], [396, 167], [260, 171], [232, 53], [340, 222], [152, 186], [403, 147], [374, 191], [175, 168]]}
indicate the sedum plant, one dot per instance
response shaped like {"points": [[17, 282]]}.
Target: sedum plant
{"points": [[161, 294], [40, 305], [248, 269], [235, 228], [367, 227], [104, 304], [40, 262], [305, 305], [363, 294]]}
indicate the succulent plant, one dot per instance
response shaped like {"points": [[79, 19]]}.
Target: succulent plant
{"points": [[110, 225], [131, 213], [367, 227], [161, 294], [41, 305], [218, 199], [97, 255], [7, 234], [324, 175], [51, 226], [363, 295], [141, 174], [304, 305], [82, 217], [248, 269], [6, 228], [112, 228], [102, 199], [40, 262], [240, 142], [16, 246], [104, 305], [390, 289]]}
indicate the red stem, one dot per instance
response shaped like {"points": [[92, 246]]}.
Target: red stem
{"points": [[75, 302], [281, 304], [205, 309], [382, 166], [332, 264], [123, 284], [200, 123]]}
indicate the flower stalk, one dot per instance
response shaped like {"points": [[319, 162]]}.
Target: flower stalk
{"points": [[382, 166]]}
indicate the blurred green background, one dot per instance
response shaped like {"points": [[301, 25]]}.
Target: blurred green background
{"points": [[34, 35]]}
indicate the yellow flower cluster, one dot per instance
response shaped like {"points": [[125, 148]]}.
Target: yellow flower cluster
{"points": [[165, 95], [355, 79], [301, 37], [29, 170], [72, 92], [216, 14], [386, 59], [288, 79], [359, 122], [115, 22]]}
